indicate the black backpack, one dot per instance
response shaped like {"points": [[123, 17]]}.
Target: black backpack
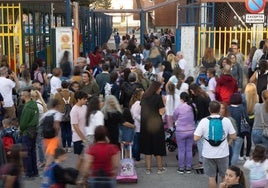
{"points": [[67, 108], [47, 124]]}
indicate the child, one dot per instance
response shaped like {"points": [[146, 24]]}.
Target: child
{"points": [[202, 74], [7, 136], [211, 83], [172, 102], [57, 177], [258, 166]]}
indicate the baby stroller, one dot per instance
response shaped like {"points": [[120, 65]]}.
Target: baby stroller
{"points": [[171, 139]]}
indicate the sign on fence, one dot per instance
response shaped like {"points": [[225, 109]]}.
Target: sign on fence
{"points": [[255, 18]]}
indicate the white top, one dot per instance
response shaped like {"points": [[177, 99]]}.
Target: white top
{"points": [[78, 114], [57, 115], [249, 164], [136, 115], [6, 86], [172, 102], [209, 151], [95, 120], [55, 83], [40, 108], [183, 65], [211, 88]]}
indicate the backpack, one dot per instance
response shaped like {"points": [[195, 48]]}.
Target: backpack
{"points": [[216, 133], [67, 109], [8, 139], [262, 82], [107, 89], [48, 179], [47, 124], [257, 176], [138, 58]]}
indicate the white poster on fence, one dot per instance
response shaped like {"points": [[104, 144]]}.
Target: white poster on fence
{"points": [[64, 42], [188, 48]]}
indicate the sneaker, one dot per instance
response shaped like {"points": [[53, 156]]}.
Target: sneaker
{"points": [[246, 158], [180, 171], [69, 150], [161, 171], [188, 171], [148, 171], [241, 158], [41, 165]]}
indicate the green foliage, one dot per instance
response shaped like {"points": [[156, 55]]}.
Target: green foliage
{"points": [[98, 4]]}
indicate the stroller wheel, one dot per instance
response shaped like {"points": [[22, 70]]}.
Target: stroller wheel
{"points": [[171, 148]]}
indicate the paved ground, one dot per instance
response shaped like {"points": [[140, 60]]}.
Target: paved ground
{"points": [[170, 179]]}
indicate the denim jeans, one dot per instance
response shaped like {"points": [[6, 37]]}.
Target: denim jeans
{"points": [[236, 147], [136, 148], [39, 146], [259, 139], [185, 142], [66, 133], [29, 161]]}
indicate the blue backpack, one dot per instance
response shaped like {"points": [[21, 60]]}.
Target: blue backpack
{"points": [[216, 133], [49, 178]]}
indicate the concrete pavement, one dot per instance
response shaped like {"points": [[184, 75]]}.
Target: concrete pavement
{"points": [[169, 179]]}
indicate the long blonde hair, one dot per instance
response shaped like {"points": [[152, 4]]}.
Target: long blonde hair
{"points": [[154, 52], [111, 104], [35, 95], [172, 59], [251, 97]]}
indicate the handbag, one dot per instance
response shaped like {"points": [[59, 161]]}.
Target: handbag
{"points": [[244, 126], [265, 127]]}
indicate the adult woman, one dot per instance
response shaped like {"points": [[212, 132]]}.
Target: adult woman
{"points": [[25, 79], [89, 85], [260, 78], [184, 115], [94, 117], [55, 82], [261, 120], [249, 61], [65, 97], [95, 57], [236, 70], [208, 60], [234, 178], [113, 118], [65, 65], [135, 110], [251, 98], [152, 129], [172, 59], [238, 112], [201, 100], [42, 107], [101, 159]]}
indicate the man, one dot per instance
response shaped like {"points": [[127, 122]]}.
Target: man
{"points": [[226, 85], [239, 56], [215, 158], [181, 62], [103, 77], [117, 40], [6, 86], [28, 126], [78, 122]]}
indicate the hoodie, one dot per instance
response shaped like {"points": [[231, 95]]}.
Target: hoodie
{"points": [[226, 86]]}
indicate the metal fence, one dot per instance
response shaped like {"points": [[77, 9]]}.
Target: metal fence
{"points": [[11, 34], [220, 39]]}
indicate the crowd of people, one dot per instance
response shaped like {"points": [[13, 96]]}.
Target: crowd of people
{"points": [[132, 95]]}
